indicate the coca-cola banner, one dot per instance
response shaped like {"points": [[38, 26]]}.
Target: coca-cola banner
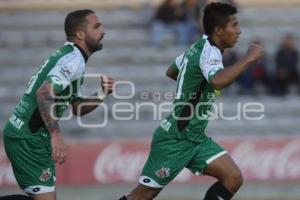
{"points": [[121, 161]]}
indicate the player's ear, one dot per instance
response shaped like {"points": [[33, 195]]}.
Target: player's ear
{"points": [[218, 31], [80, 34]]}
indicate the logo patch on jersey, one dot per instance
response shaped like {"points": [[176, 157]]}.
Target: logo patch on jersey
{"points": [[163, 172], [215, 62], [46, 175], [204, 115], [165, 124], [16, 122], [65, 71]]}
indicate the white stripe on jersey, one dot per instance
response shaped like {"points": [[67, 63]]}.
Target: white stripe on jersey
{"points": [[181, 78]]}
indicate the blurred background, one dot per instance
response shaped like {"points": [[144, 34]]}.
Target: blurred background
{"points": [[142, 39]]}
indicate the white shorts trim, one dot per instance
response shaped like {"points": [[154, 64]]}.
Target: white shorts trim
{"points": [[215, 157], [145, 180], [39, 189]]}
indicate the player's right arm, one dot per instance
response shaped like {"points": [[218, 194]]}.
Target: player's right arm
{"points": [[225, 77], [46, 100], [172, 73], [173, 69], [62, 74]]}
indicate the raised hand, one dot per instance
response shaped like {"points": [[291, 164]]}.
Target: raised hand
{"points": [[107, 84], [255, 52]]}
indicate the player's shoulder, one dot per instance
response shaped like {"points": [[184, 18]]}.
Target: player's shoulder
{"points": [[210, 53], [71, 52], [211, 48], [70, 55]]}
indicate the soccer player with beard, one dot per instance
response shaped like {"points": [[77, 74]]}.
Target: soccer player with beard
{"points": [[32, 137]]}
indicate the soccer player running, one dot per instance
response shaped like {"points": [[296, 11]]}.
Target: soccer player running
{"points": [[32, 138], [180, 140]]}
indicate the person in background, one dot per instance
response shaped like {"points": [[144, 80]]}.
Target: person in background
{"points": [[287, 60], [169, 17], [256, 77], [192, 19], [229, 58]]}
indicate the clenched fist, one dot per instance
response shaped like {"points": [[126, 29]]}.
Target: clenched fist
{"points": [[255, 52], [107, 84]]}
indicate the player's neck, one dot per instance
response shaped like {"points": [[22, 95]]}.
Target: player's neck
{"points": [[217, 42], [84, 48]]}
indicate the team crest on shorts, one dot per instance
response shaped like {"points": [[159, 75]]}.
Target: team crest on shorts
{"points": [[46, 175], [163, 172]]}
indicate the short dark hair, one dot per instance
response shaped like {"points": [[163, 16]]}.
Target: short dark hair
{"points": [[75, 21], [217, 14]]}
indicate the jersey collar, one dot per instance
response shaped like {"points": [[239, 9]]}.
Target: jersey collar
{"points": [[211, 42], [82, 52], [85, 56]]}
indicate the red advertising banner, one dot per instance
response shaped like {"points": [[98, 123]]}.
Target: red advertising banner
{"points": [[106, 162]]}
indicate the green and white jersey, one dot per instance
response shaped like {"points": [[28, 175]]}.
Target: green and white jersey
{"points": [[64, 70], [194, 94]]}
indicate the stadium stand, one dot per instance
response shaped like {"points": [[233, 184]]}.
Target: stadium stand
{"points": [[27, 38]]}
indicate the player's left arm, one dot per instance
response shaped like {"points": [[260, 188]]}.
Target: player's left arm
{"points": [[83, 106], [220, 79]]}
